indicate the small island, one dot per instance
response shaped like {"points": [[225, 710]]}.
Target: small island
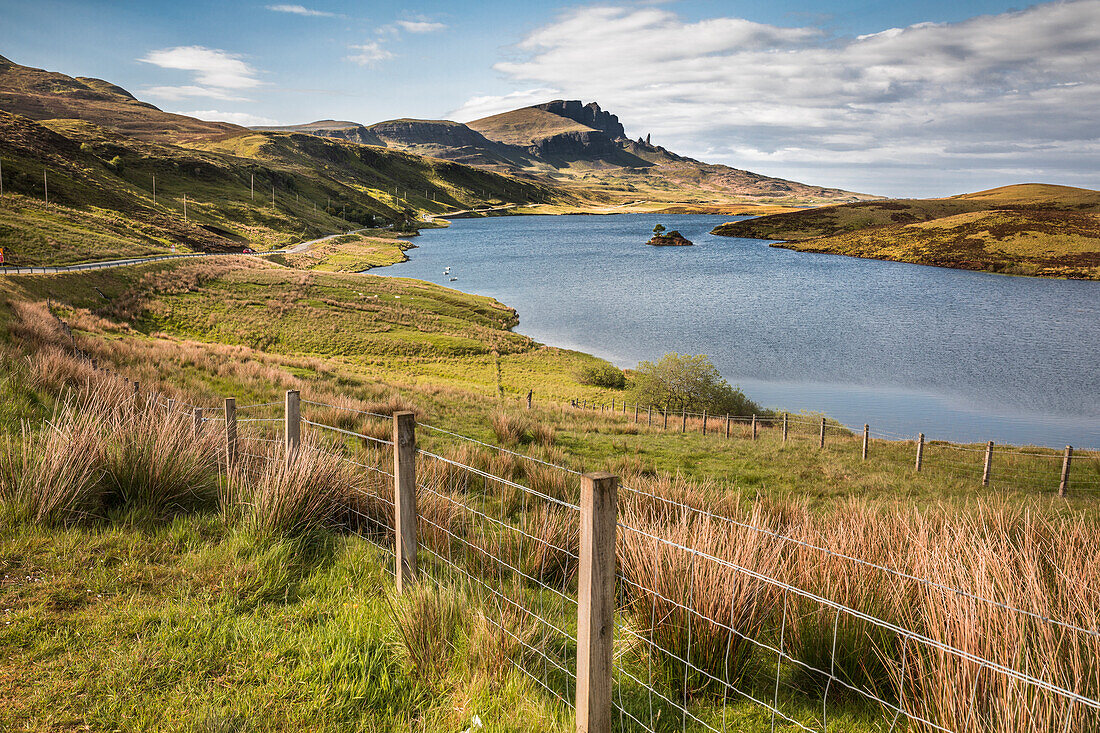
{"points": [[672, 239]]}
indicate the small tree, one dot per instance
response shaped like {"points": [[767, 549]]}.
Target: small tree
{"points": [[658, 230], [601, 375], [689, 382]]}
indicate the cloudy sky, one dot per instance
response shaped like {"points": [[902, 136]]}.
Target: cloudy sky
{"points": [[925, 98]]}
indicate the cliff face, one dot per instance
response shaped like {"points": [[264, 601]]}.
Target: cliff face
{"points": [[575, 146], [587, 114], [356, 134], [428, 132]]}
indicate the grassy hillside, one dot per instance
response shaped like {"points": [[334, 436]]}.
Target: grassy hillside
{"points": [[349, 252], [1030, 229], [48, 95], [525, 126], [1040, 243], [829, 220], [100, 186]]}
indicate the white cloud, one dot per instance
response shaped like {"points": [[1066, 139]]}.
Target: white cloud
{"points": [[189, 90], [217, 74], [808, 103], [368, 54], [477, 107], [237, 118], [300, 10], [420, 26]]}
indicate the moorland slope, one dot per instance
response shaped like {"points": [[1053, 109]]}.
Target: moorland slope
{"points": [[1027, 229]]}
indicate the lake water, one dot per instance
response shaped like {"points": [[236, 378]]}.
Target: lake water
{"points": [[957, 355]]}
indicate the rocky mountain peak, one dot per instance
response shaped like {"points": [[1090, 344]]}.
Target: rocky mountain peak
{"points": [[586, 114]]}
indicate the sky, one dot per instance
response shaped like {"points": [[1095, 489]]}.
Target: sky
{"points": [[922, 98]]}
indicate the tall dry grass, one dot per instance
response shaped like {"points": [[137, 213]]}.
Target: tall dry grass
{"points": [[686, 604], [54, 476], [154, 461], [295, 497], [1042, 565]]}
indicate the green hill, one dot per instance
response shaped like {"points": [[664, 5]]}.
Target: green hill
{"points": [[47, 95], [241, 187], [1027, 229]]}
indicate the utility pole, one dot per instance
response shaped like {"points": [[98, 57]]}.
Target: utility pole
{"points": [[154, 189], [46, 188], [1, 178], [273, 197], [185, 207], [252, 186]]}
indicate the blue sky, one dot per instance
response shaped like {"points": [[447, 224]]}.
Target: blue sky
{"points": [[922, 98]]}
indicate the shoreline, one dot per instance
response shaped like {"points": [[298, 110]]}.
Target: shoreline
{"points": [[857, 392]]}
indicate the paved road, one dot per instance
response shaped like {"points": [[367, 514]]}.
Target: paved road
{"points": [[49, 270]]}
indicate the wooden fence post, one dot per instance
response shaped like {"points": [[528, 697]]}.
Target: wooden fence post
{"points": [[866, 439], [727, 425], [530, 394], [404, 497], [988, 463], [684, 420], [821, 436], [613, 404], [293, 424], [1063, 485], [704, 421], [635, 414], [596, 601], [651, 416], [784, 427], [665, 413], [920, 451], [754, 427], [171, 407], [230, 432], [196, 420]]}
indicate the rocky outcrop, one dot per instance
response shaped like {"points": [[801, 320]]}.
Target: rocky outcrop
{"points": [[672, 239], [586, 114], [581, 144], [356, 134], [400, 133]]}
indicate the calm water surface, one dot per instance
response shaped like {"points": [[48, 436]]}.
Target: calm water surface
{"points": [[956, 355]]}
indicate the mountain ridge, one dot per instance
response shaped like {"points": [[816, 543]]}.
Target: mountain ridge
{"points": [[574, 144]]}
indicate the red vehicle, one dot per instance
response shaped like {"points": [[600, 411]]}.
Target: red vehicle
{"points": [[246, 251]]}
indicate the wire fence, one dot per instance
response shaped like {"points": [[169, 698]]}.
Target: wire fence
{"points": [[718, 623], [1025, 469]]}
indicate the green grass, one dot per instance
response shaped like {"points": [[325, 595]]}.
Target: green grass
{"points": [[350, 253], [190, 626]]}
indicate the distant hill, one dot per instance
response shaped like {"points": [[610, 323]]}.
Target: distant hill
{"points": [[1027, 229], [579, 145], [48, 95], [242, 188]]}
